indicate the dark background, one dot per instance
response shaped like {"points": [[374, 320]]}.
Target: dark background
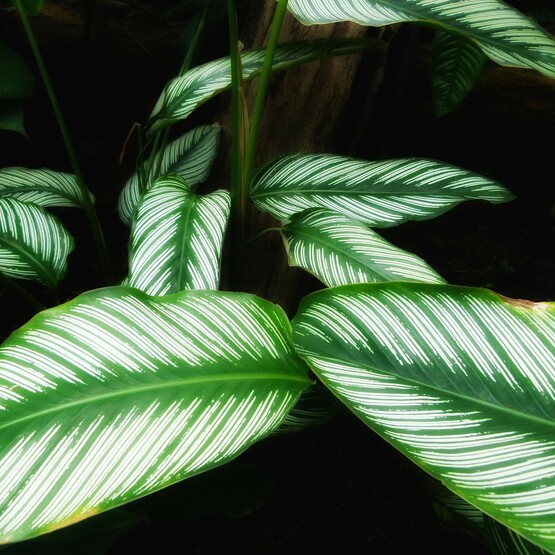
{"points": [[336, 488]]}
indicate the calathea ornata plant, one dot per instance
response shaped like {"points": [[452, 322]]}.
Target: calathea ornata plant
{"points": [[127, 389]]}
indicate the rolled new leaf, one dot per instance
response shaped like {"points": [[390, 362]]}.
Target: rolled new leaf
{"points": [[191, 156], [456, 65], [381, 194], [184, 94], [117, 394], [177, 238], [43, 187], [506, 35], [33, 244], [339, 250], [460, 380]]}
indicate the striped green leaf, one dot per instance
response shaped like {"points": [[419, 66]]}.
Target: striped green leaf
{"points": [[313, 409], [460, 380], [33, 243], [32, 7], [117, 394], [456, 65], [504, 541], [339, 250], [184, 94], [381, 194], [505, 35], [43, 187], [191, 156], [452, 509], [177, 238]]}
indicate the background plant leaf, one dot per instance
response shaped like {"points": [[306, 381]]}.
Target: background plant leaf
{"points": [[315, 407], [177, 238], [16, 79], [33, 243], [503, 541], [42, 187], [191, 156], [456, 66], [12, 117], [339, 250], [184, 94], [117, 394], [506, 36], [460, 380], [381, 194], [31, 7]]}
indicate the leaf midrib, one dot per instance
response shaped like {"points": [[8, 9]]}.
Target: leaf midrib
{"points": [[333, 246], [10, 192], [47, 277], [343, 192], [444, 392], [157, 386], [182, 259]]}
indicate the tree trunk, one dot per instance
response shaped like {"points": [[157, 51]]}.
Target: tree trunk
{"points": [[306, 111]]}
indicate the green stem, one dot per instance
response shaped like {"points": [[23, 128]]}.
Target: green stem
{"points": [[33, 303], [87, 202], [260, 100], [238, 200], [252, 239], [185, 66]]}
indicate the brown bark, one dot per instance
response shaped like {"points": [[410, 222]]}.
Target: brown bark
{"points": [[304, 113]]}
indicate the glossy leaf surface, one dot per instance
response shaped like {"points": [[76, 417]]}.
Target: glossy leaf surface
{"points": [[460, 380], [117, 394], [381, 194], [339, 250], [177, 238], [507, 36], [43, 187], [33, 243], [184, 94], [456, 65], [191, 156]]}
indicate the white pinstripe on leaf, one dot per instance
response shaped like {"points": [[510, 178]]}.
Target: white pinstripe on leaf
{"points": [[503, 541], [177, 238], [43, 187], [339, 250], [117, 394], [456, 66], [184, 94], [33, 243], [381, 194], [507, 36], [460, 380], [191, 156]]}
